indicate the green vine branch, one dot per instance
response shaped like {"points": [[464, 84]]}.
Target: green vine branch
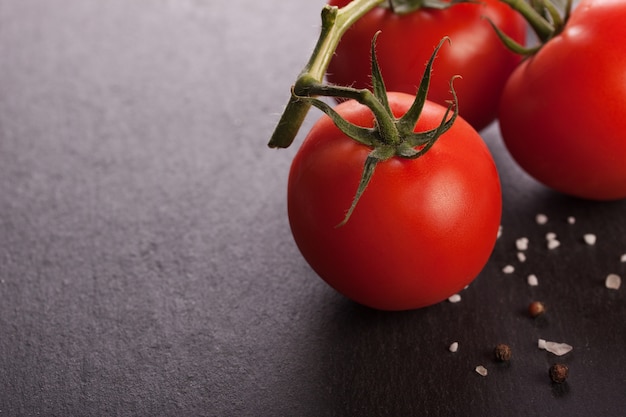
{"points": [[335, 22]]}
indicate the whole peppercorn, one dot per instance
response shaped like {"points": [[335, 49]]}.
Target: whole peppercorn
{"points": [[502, 352], [536, 308], [558, 373]]}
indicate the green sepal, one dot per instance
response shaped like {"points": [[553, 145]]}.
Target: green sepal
{"points": [[511, 44], [568, 11], [375, 156], [543, 17], [378, 84], [421, 142], [409, 6], [553, 12], [407, 123], [360, 134]]}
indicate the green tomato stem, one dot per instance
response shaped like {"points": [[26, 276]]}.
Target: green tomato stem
{"points": [[543, 28], [335, 22]]}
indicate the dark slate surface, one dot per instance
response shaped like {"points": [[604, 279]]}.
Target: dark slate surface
{"points": [[147, 267]]}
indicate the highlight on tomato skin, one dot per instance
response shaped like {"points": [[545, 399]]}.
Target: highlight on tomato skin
{"points": [[423, 229], [406, 42]]}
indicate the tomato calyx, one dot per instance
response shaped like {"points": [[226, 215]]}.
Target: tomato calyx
{"points": [[544, 18], [409, 6], [390, 136]]}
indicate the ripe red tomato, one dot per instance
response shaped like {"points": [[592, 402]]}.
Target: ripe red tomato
{"points": [[423, 229], [407, 41], [563, 111]]}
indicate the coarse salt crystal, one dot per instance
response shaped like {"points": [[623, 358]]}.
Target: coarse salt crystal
{"points": [[550, 236], [553, 244], [532, 280], [522, 243], [499, 232], [541, 218], [571, 219], [521, 256], [623, 258], [590, 239], [613, 282], [509, 269], [454, 347], [481, 370], [454, 298], [558, 349]]}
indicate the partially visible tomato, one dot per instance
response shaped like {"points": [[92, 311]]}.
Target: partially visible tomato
{"points": [[423, 229], [407, 41], [563, 111]]}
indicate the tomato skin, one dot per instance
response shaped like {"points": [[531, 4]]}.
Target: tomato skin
{"points": [[407, 41], [422, 230], [563, 111]]}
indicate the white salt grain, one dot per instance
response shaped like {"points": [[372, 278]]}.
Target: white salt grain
{"points": [[553, 244], [521, 256], [509, 269], [541, 218], [623, 258], [522, 243], [454, 347], [454, 298], [499, 232], [590, 239], [558, 349], [613, 282], [532, 280], [550, 236], [571, 219], [481, 370]]}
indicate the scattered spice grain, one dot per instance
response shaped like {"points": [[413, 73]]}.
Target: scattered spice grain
{"points": [[558, 373], [536, 308], [502, 352]]}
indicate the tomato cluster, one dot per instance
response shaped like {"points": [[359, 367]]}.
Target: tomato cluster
{"points": [[425, 227]]}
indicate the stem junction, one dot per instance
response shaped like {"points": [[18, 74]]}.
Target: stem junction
{"points": [[544, 18]]}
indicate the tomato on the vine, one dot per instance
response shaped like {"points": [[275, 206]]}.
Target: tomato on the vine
{"points": [[406, 42], [423, 229], [563, 111]]}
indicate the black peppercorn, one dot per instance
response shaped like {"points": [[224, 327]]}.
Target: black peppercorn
{"points": [[502, 352], [536, 308], [558, 373]]}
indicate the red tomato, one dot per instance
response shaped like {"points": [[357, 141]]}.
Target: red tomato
{"points": [[422, 230], [563, 111], [407, 41]]}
